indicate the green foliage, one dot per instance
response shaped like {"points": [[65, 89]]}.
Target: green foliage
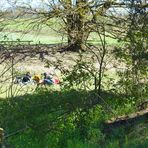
{"points": [[59, 119], [80, 76], [75, 115], [133, 55], [58, 116], [130, 137]]}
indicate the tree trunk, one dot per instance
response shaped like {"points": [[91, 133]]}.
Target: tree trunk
{"points": [[77, 33]]}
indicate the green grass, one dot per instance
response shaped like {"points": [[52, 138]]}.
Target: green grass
{"points": [[94, 38], [42, 38], [17, 90], [20, 29], [22, 89], [29, 110], [44, 34], [61, 110], [48, 38]]}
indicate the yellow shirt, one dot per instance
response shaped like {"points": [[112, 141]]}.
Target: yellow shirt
{"points": [[37, 78]]}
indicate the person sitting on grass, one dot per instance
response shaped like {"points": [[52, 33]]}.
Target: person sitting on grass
{"points": [[17, 80], [47, 79], [37, 79], [26, 78], [55, 80]]}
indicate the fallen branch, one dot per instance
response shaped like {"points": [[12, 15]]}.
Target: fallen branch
{"points": [[126, 120]]}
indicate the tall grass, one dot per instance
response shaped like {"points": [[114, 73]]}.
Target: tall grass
{"points": [[72, 129]]}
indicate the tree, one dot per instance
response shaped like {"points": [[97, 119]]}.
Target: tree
{"points": [[134, 52], [77, 16]]}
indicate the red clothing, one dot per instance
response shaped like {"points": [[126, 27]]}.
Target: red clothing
{"points": [[55, 81]]}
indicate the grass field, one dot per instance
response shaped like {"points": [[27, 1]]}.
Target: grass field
{"points": [[41, 38], [47, 38], [44, 34], [37, 67], [74, 113]]}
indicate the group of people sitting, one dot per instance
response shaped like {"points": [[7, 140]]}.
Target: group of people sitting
{"points": [[46, 79]]}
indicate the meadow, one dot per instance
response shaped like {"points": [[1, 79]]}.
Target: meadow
{"points": [[72, 114], [52, 33]]}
